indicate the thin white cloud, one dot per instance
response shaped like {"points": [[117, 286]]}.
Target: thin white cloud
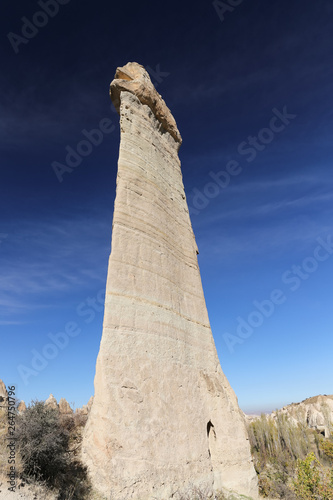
{"points": [[7, 323], [264, 199], [268, 209], [263, 216], [63, 114], [272, 238], [43, 258]]}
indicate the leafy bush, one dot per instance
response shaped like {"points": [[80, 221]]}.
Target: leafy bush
{"points": [[327, 448], [313, 482]]}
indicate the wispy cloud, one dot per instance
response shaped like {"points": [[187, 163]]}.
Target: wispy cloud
{"points": [[272, 208], [6, 323], [62, 114], [47, 260], [263, 216], [277, 239], [266, 197]]}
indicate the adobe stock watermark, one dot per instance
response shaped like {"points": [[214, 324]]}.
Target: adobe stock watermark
{"points": [[30, 27], [293, 278], [94, 137], [59, 341], [248, 148], [11, 438], [157, 75], [222, 8]]}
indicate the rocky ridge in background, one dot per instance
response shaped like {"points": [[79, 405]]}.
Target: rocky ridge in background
{"points": [[315, 412], [63, 406], [3, 394]]}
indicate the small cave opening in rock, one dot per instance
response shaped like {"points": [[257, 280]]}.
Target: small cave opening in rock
{"points": [[211, 435], [209, 426]]}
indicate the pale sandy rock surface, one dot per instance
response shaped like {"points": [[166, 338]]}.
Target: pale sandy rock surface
{"points": [[90, 402], [164, 414], [64, 407], [82, 411], [315, 412], [21, 407], [51, 401], [134, 78], [85, 408], [3, 393], [250, 418]]}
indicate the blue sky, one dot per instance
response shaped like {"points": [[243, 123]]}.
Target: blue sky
{"points": [[258, 233]]}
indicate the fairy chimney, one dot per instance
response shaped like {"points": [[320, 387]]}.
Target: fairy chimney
{"points": [[164, 415]]}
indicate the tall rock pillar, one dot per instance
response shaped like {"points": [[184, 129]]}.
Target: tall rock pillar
{"points": [[164, 415]]}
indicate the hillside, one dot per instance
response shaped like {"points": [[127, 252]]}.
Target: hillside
{"points": [[292, 450], [315, 412]]}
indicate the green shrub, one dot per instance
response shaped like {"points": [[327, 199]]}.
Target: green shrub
{"points": [[327, 448], [312, 481], [276, 445], [278, 439], [286, 457]]}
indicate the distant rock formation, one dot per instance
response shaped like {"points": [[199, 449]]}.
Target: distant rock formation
{"points": [[315, 412], [4, 399], [85, 408], [164, 414], [21, 407], [3, 396], [90, 402], [64, 407], [51, 402]]}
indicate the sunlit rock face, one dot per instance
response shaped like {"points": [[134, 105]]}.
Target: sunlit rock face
{"points": [[3, 396], [315, 412], [163, 415]]}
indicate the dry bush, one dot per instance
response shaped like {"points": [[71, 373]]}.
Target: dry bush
{"points": [[3, 430], [4, 466], [44, 440], [193, 492]]}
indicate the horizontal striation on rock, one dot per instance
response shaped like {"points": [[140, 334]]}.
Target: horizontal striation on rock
{"points": [[158, 380]]}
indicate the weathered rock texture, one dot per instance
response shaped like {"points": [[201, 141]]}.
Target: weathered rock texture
{"points": [[85, 408], [134, 78], [21, 407], [51, 402], [3, 396], [163, 414], [315, 412], [64, 407]]}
